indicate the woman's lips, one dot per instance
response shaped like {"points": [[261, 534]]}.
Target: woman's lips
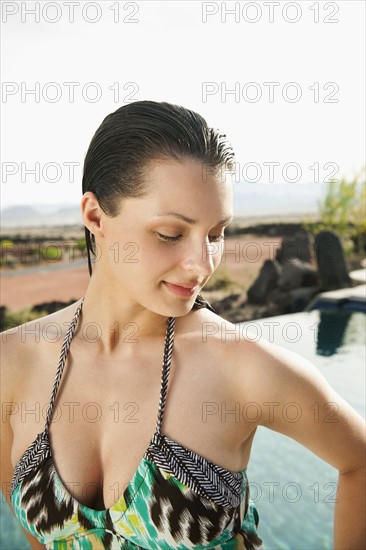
{"points": [[181, 290]]}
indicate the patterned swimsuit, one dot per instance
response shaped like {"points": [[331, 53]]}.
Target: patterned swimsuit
{"points": [[176, 499]]}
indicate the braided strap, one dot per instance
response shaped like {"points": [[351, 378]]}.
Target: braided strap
{"points": [[168, 351], [62, 361]]}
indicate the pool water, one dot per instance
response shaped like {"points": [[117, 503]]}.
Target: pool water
{"points": [[293, 489]]}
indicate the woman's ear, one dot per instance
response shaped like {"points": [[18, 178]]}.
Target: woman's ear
{"points": [[91, 213]]}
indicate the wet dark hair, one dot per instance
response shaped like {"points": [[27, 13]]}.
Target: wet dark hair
{"points": [[134, 136]]}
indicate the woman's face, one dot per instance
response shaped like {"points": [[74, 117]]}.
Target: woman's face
{"points": [[150, 250]]}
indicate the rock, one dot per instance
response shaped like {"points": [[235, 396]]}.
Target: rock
{"points": [[296, 273], [280, 300], [290, 282], [227, 303], [3, 324], [300, 297], [331, 262], [51, 307], [265, 282], [297, 247]]}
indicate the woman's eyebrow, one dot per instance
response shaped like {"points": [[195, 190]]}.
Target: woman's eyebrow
{"points": [[189, 220]]}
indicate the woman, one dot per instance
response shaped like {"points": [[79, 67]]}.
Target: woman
{"points": [[136, 455]]}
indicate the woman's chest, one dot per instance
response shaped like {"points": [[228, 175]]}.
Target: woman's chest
{"points": [[103, 420]]}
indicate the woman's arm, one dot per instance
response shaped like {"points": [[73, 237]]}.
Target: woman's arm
{"points": [[349, 513], [324, 423], [8, 377]]}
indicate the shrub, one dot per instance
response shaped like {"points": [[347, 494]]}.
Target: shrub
{"points": [[80, 245], [52, 253], [5, 243], [12, 319], [343, 211]]}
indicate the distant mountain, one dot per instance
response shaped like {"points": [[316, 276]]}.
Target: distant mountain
{"points": [[263, 199], [28, 216]]}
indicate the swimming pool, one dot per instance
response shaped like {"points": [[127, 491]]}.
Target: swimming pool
{"points": [[292, 488]]}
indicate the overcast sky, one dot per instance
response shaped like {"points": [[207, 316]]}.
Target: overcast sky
{"points": [[295, 70]]}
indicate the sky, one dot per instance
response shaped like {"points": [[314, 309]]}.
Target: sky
{"points": [[284, 80]]}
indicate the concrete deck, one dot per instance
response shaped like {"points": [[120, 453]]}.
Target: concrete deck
{"points": [[359, 275], [355, 294]]}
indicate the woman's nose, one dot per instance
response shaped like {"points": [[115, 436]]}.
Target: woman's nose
{"points": [[201, 258]]}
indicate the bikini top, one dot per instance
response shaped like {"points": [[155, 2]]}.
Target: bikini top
{"points": [[176, 499]]}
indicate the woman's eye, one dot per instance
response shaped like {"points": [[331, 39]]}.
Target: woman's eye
{"points": [[166, 238]]}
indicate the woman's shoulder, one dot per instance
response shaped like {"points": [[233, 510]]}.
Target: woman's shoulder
{"points": [[260, 368], [34, 335], [219, 342], [208, 327], [201, 327], [26, 348]]}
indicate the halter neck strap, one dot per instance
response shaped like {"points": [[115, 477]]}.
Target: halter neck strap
{"points": [[168, 350]]}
